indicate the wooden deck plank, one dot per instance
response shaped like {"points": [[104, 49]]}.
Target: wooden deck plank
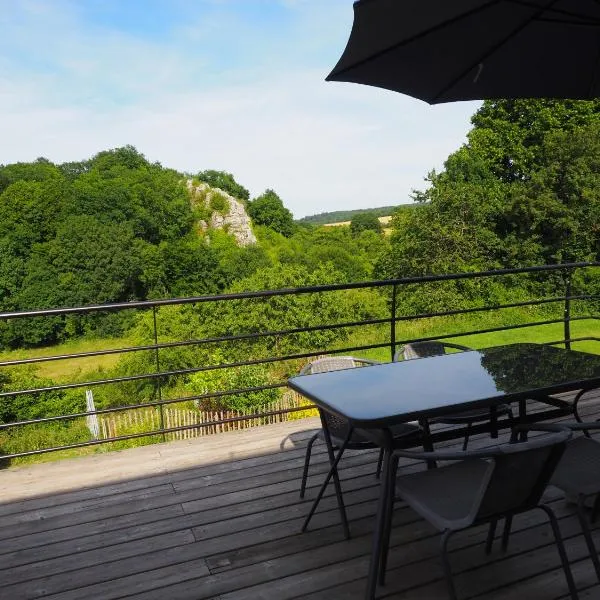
{"points": [[225, 525]]}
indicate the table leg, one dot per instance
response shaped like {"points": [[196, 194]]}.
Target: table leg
{"points": [[383, 525], [522, 419], [493, 422], [427, 443], [334, 460], [389, 512]]}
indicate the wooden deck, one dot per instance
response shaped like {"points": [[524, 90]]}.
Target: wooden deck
{"points": [[220, 517]]}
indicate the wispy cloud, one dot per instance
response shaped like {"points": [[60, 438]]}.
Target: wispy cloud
{"points": [[225, 85]]}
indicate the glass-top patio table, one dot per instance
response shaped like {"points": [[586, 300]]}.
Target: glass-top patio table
{"points": [[374, 398]]}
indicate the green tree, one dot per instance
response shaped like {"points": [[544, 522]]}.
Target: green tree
{"points": [[268, 209], [35, 405], [231, 379], [289, 311], [365, 222], [501, 199], [225, 182], [39, 170]]}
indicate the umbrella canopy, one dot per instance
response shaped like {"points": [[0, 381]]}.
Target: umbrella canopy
{"points": [[448, 50]]}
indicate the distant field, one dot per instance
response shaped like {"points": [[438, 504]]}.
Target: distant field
{"points": [[383, 220], [60, 370], [337, 216]]}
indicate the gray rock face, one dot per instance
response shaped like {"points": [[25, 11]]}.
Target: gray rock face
{"points": [[235, 221]]}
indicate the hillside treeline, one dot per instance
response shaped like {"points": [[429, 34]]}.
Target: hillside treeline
{"points": [[117, 228], [339, 216], [523, 190]]}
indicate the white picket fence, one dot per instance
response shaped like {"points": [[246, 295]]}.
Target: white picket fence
{"points": [[149, 419]]}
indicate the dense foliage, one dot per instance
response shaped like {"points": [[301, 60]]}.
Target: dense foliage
{"points": [[224, 181], [268, 209], [110, 229], [364, 221], [523, 190]]}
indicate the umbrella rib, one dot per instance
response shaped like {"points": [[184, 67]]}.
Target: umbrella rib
{"points": [[561, 11], [493, 49], [594, 25], [406, 41]]}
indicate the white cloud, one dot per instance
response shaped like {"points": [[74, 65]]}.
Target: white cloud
{"points": [[321, 146]]}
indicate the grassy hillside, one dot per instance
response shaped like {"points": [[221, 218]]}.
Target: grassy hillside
{"points": [[338, 216]]}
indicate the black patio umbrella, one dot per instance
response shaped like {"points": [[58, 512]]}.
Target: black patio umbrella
{"points": [[448, 50]]}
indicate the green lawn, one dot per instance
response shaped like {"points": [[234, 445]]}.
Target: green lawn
{"points": [[429, 328], [62, 370]]}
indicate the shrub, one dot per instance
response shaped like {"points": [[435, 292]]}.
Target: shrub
{"points": [[219, 203]]}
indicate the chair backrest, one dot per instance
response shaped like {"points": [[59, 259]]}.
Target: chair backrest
{"points": [[338, 427], [329, 363], [424, 349], [521, 471]]}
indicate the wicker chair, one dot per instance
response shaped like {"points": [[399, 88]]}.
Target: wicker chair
{"points": [[468, 417], [481, 487], [338, 428]]}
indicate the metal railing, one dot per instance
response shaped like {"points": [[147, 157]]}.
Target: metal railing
{"points": [[388, 328]]}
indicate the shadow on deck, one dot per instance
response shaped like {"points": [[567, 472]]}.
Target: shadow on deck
{"points": [[220, 518]]}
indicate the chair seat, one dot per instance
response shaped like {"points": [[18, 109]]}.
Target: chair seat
{"points": [[470, 416], [579, 469], [445, 496]]}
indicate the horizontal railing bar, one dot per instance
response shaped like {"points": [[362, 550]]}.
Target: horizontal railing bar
{"points": [[214, 340], [157, 376], [461, 311], [151, 376], [572, 340], [154, 404], [132, 436], [256, 335], [164, 374], [238, 391], [479, 331], [145, 304]]}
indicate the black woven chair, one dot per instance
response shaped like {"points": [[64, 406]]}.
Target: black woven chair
{"points": [[578, 475], [467, 417], [338, 428], [482, 487]]}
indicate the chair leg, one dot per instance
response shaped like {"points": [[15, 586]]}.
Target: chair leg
{"points": [[306, 463], [379, 464], [446, 564], [561, 551], [595, 509], [506, 532], [587, 534], [576, 412], [467, 435], [338, 490], [490, 536]]}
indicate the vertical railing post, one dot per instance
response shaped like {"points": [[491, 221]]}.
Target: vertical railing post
{"points": [[567, 311], [157, 379], [393, 323]]}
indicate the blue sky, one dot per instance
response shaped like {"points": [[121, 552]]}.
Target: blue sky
{"points": [[234, 85]]}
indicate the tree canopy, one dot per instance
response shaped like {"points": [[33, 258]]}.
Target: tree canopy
{"points": [[225, 182], [365, 222], [268, 209], [523, 190]]}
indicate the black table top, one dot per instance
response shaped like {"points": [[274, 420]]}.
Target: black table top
{"points": [[382, 395]]}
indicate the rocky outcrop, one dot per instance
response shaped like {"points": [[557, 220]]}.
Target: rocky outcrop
{"points": [[233, 219]]}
